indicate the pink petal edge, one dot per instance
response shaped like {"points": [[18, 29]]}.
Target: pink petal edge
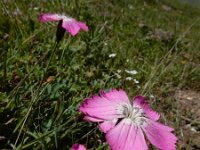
{"points": [[118, 96], [92, 119], [49, 17], [83, 26], [140, 101], [97, 110], [71, 26], [107, 125], [103, 107], [160, 135], [78, 147]]}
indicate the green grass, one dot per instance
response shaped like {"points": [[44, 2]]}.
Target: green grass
{"points": [[39, 105]]}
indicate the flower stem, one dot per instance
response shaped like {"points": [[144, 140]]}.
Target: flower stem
{"points": [[51, 56], [5, 71], [36, 95]]}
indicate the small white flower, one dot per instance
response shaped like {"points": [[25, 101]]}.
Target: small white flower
{"points": [[112, 55], [127, 60], [151, 96], [193, 129], [136, 81], [119, 71], [129, 78], [130, 7], [133, 72], [35, 8], [118, 76]]}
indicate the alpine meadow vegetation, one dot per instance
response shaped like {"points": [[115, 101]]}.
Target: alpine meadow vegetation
{"points": [[69, 67]]}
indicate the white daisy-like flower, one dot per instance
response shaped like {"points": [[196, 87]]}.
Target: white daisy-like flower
{"points": [[112, 55], [136, 81], [129, 78], [118, 76], [133, 72], [119, 71]]}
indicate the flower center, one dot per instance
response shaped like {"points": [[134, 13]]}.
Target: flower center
{"points": [[133, 115], [66, 18]]}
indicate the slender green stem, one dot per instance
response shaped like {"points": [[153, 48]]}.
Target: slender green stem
{"points": [[5, 70], [37, 94], [50, 59], [62, 55]]}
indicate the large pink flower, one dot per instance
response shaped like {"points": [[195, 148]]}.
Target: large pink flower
{"points": [[78, 147], [125, 123], [69, 24]]}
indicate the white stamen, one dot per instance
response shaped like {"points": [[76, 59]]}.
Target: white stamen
{"points": [[132, 114]]}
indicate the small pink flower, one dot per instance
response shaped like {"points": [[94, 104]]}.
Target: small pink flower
{"points": [[78, 147], [69, 24], [125, 123]]}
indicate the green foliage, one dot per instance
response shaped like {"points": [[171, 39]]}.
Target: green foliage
{"points": [[39, 104]]}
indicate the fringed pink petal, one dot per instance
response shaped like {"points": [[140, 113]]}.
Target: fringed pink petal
{"points": [[160, 135], [78, 147], [100, 108], [71, 26], [118, 96], [107, 125], [140, 101], [83, 26], [49, 17], [126, 136], [92, 119]]}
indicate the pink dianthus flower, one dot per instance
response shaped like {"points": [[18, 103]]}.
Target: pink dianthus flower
{"points": [[69, 24], [125, 123]]}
